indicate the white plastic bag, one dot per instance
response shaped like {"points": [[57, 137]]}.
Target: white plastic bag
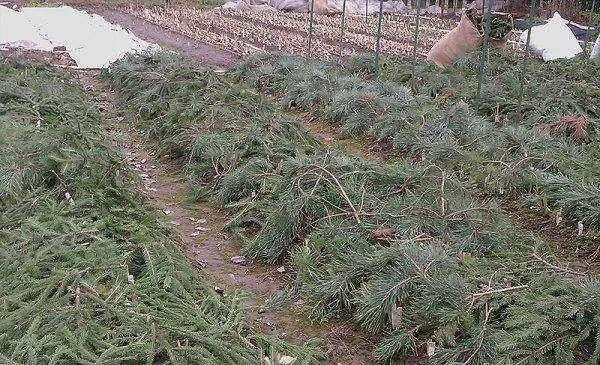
{"points": [[553, 40], [596, 51]]}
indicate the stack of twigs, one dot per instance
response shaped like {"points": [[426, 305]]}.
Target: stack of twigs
{"points": [[500, 24]]}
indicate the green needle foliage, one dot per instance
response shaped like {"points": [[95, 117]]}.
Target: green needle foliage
{"points": [[409, 249], [88, 272], [426, 115]]}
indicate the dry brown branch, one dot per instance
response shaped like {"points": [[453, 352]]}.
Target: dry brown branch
{"points": [[385, 234], [474, 296], [577, 125], [488, 311], [341, 189]]}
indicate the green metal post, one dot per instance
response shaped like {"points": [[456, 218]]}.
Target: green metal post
{"points": [[310, 26], [378, 44], [524, 67], [416, 39], [587, 34], [343, 25], [484, 52]]}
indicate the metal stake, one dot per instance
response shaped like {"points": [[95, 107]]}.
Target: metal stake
{"points": [[524, 67], [378, 44], [310, 27], [343, 25], [416, 35], [587, 34], [484, 53]]}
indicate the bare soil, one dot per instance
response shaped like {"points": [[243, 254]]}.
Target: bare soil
{"points": [[59, 59], [198, 227], [573, 252], [364, 146], [167, 39]]}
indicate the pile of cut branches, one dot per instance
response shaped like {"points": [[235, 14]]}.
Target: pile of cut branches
{"points": [[427, 121], [500, 24], [407, 248], [88, 274]]}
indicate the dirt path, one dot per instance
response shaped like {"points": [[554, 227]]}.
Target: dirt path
{"points": [[198, 226], [167, 39]]}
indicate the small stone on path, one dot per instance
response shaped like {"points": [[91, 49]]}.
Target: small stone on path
{"points": [[239, 260]]}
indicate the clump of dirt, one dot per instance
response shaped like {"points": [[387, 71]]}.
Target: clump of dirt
{"points": [[58, 58]]}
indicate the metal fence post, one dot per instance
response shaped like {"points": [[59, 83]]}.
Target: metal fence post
{"points": [[484, 53], [524, 67], [416, 35], [310, 26], [587, 34], [343, 25], [378, 44]]}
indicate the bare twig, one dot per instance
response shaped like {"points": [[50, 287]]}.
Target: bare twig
{"points": [[488, 311], [474, 296], [341, 189], [537, 351], [558, 268]]}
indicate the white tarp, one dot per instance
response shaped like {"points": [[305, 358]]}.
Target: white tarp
{"points": [[596, 50], [17, 31], [90, 40], [553, 40]]}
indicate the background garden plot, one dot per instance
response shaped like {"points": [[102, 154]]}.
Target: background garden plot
{"points": [[90, 40]]}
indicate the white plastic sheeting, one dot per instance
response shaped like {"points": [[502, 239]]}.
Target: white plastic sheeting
{"points": [[596, 50], [16, 30], [90, 40], [553, 40]]}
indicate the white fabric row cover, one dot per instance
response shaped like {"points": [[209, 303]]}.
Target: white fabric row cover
{"points": [[90, 40], [553, 40]]}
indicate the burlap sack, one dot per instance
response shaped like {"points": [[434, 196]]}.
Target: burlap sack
{"points": [[462, 39], [331, 7], [320, 6]]}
